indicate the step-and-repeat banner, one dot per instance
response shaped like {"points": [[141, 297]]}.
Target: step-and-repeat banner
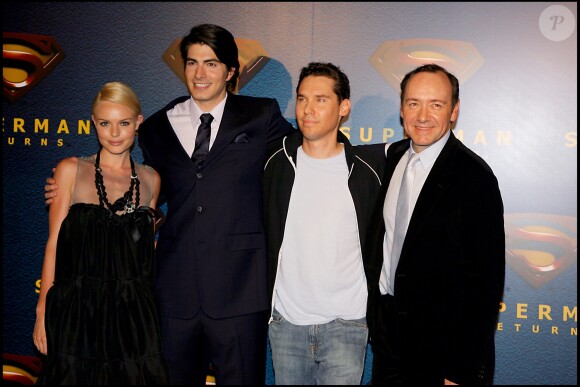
{"points": [[517, 64]]}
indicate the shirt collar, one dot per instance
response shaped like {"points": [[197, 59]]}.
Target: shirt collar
{"points": [[428, 156], [217, 112]]}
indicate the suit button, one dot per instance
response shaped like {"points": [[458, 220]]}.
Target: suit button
{"points": [[200, 209], [199, 175]]}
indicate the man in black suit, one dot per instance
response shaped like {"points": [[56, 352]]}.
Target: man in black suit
{"points": [[211, 253], [435, 320]]}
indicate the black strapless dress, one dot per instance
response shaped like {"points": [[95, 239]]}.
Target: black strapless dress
{"points": [[101, 320]]}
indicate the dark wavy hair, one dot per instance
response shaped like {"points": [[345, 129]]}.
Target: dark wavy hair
{"points": [[221, 41]]}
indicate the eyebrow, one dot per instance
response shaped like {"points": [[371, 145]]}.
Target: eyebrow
{"points": [[204, 61], [315, 96], [107, 119], [430, 100]]}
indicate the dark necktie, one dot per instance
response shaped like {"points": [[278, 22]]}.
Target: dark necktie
{"points": [[402, 216], [202, 139]]}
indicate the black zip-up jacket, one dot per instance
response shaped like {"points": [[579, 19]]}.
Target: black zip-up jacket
{"points": [[366, 166]]}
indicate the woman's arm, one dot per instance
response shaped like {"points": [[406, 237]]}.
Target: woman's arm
{"points": [[64, 176]]}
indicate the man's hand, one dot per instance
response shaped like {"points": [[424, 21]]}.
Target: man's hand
{"points": [[50, 189]]}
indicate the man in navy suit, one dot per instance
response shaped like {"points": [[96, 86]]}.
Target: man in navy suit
{"points": [[435, 317], [211, 278]]}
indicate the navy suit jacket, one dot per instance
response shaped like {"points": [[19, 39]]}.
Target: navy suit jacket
{"points": [[450, 277], [211, 250]]}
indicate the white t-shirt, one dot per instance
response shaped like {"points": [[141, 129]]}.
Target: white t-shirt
{"points": [[321, 275]]}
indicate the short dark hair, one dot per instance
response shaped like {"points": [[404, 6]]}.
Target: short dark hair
{"points": [[221, 41], [432, 68], [341, 82]]}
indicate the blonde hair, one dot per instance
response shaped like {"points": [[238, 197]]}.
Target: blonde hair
{"points": [[118, 92]]}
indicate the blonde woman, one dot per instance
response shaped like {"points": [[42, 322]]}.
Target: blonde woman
{"points": [[96, 315]]}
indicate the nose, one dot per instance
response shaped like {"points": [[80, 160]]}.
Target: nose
{"points": [[199, 72], [423, 115], [115, 131]]}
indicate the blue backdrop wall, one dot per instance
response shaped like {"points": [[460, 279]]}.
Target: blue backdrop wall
{"points": [[517, 63]]}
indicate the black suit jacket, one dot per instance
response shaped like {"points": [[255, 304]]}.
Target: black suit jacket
{"points": [[450, 277], [211, 250]]}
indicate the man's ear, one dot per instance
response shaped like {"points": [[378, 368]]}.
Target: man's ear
{"points": [[455, 113], [344, 108], [230, 73]]}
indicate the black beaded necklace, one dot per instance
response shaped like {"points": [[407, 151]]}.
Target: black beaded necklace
{"points": [[124, 203]]}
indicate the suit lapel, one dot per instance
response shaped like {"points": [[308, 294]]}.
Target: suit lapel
{"points": [[232, 120], [167, 143], [173, 141], [435, 186]]}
